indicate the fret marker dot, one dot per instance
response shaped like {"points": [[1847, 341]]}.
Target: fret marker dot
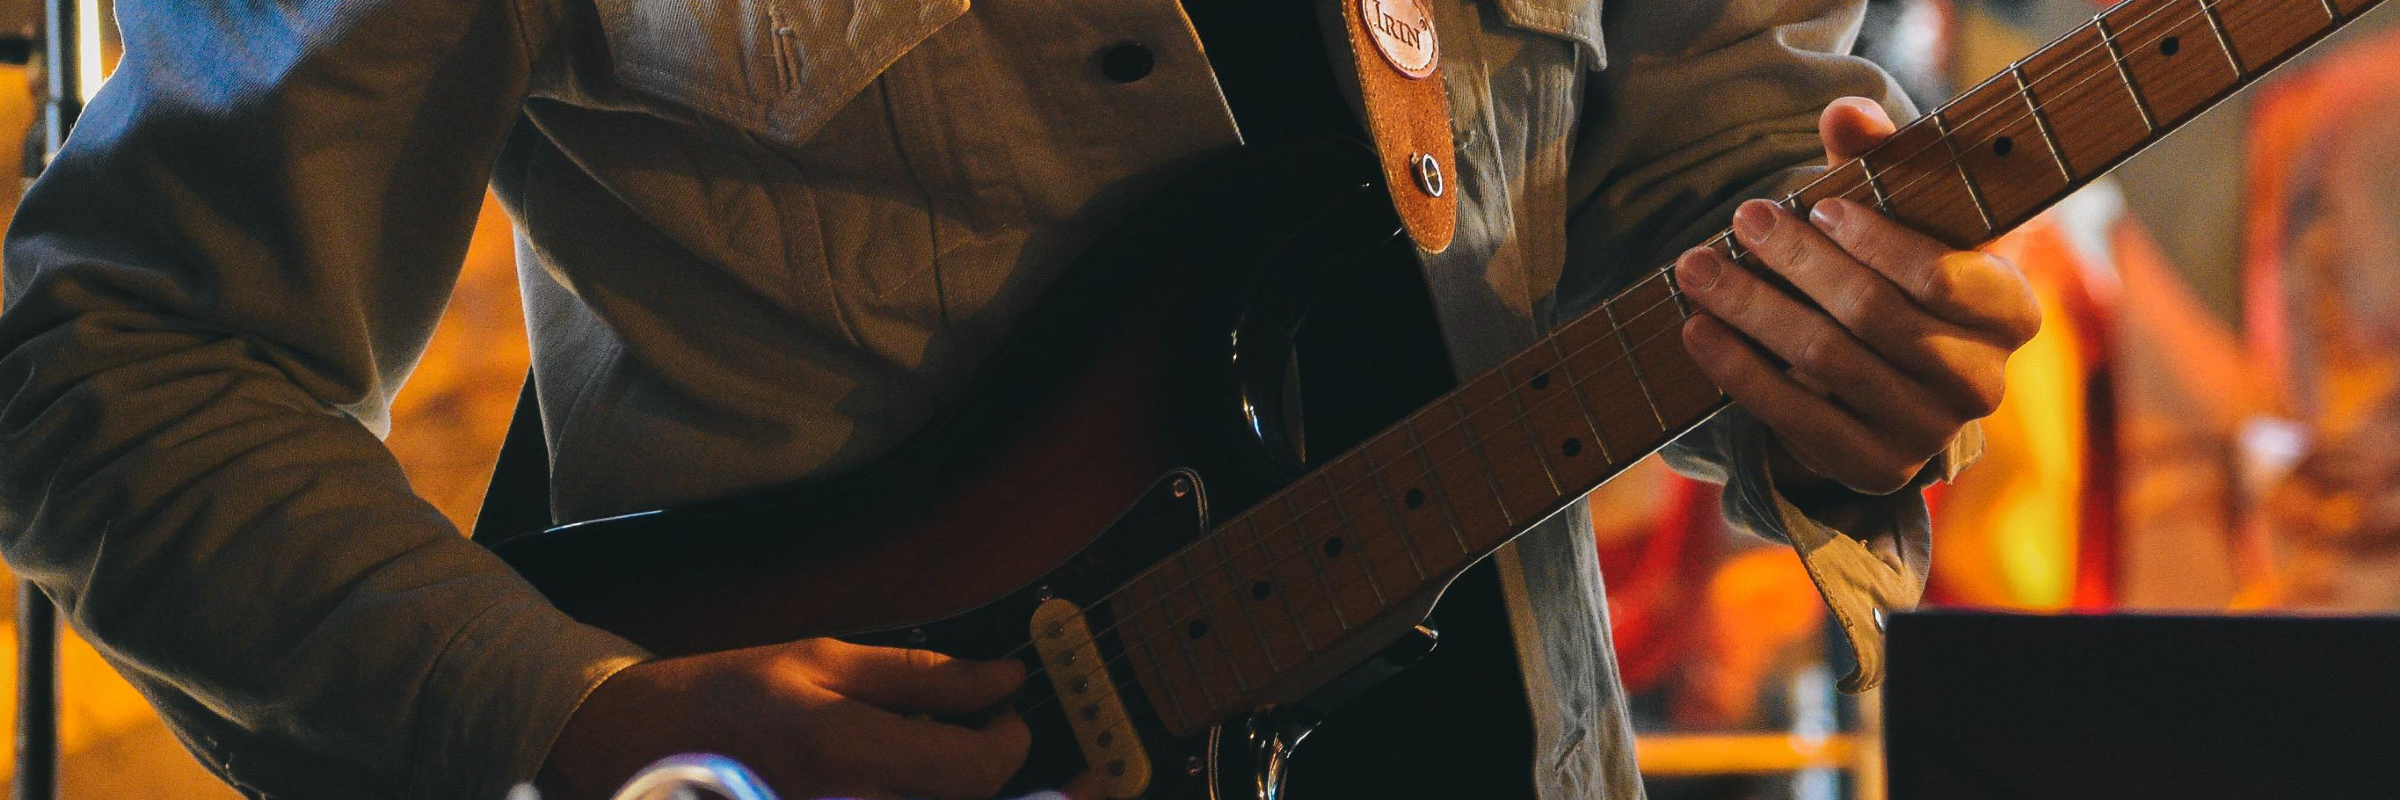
{"points": [[2002, 146], [1105, 738], [1116, 768], [1333, 547], [1571, 447], [1261, 590], [2168, 46], [1541, 381], [1415, 499], [1091, 712], [1197, 629]]}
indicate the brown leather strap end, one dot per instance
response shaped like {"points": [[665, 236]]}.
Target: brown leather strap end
{"points": [[1398, 57]]}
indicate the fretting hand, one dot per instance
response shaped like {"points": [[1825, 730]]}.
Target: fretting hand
{"points": [[1904, 346]]}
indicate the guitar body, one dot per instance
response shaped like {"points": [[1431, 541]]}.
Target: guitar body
{"points": [[1150, 393]]}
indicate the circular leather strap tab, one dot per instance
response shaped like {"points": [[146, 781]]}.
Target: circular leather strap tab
{"points": [[1398, 58], [1403, 32]]}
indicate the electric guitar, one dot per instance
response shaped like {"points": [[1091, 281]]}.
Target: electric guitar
{"points": [[1128, 501]]}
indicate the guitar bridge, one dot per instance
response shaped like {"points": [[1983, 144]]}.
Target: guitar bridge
{"points": [[1089, 698]]}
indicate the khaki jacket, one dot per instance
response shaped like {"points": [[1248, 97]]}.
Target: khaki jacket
{"points": [[761, 240]]}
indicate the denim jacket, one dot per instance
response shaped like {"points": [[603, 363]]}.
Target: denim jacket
{"points": [[760, 241]]}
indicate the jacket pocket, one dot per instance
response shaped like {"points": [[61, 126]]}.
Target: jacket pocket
{"points": [[778, 68]]}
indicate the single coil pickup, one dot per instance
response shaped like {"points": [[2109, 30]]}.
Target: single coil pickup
{"points": [[1080, 675]]}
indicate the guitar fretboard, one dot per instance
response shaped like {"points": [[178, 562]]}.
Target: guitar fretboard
{"points": [[1212, 627]]}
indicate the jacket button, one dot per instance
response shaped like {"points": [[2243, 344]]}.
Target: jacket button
{"points": [[1126, 62]]}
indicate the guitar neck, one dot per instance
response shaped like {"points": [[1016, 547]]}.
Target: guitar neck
{"points": [[1367, 533]]}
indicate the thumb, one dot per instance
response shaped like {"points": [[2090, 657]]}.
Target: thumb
{"points": [[909, 681], [1852, 126]]}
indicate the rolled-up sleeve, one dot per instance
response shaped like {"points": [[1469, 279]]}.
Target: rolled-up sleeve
{"points": [[213, 294], [1703, 105]]}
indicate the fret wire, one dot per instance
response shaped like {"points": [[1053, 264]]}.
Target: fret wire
{"points": [[1174, 698], [1541, 453], [2332, 14], [1233, 582], [1883, 203], [1334, 498], [1199, 676], [1567, 377], [1941, 127], [1145, 640], [1200, 611], [1266, 560], [2041, 121], [1683, 305], [1392, 506], [2217, 26], [1491, 478], [1633, 363], [1433, 481], [1331, 600], [1733, 250], [2117, 57]]}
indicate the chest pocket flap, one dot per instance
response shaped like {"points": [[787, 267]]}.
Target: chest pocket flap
{"points": [[779, 68], [1578, 20]]}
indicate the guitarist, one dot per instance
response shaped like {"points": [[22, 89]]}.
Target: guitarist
{"points": [[764, 240]]}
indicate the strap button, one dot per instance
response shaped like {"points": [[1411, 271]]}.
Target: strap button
{"points": [[1428, 172]]}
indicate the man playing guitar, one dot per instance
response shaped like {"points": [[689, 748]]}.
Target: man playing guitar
{"points": [[762, 241]]}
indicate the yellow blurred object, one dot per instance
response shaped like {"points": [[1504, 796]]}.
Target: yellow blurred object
{"points": [[1688, 754], [2007, 528], [447, 425]]}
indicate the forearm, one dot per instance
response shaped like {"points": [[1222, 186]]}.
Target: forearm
{"points": [[231, 543], [213, 294]]}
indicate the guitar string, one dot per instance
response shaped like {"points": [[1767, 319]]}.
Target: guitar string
{"points": [[1333, 593], [1222, 563], [2065, 101], [2030, 112], [1674, 295], [1896, 193], [1030, 703], [1150, 738], [2062, 104]]}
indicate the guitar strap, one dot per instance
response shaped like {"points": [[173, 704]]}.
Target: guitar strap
{"points": [[1398, 58]]}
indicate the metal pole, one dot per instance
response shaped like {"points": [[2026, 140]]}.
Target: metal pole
{"points": [[37, 617], [63, 65], [37, 695]]}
